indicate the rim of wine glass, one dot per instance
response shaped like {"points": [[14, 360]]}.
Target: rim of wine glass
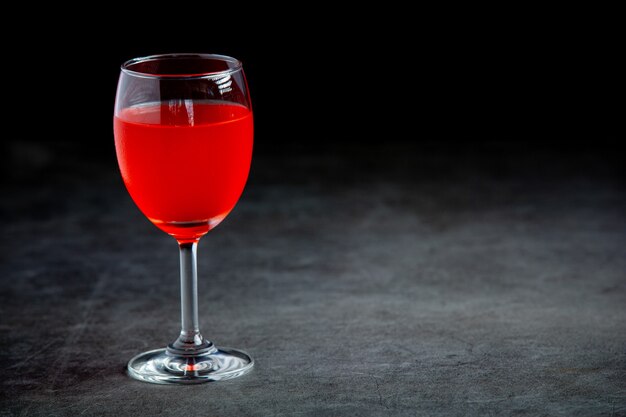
{"points": [[209, 74]]}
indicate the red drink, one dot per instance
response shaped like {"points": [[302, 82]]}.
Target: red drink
{"points": [[185, 164]]}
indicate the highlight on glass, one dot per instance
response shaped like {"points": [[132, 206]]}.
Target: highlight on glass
{"points": [[183, 137]]}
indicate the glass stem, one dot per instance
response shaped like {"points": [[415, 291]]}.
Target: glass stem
{"points": [[190, 342]]}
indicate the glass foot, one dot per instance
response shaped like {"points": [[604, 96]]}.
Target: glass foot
{"points": [[162, 367]]}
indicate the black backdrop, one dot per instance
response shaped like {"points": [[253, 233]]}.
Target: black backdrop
{"points": [[326, 86]]}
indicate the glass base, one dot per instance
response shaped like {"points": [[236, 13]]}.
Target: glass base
{"points": [[163, 367]]}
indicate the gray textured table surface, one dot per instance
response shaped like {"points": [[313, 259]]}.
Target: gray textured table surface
{"points": [[384, 283]]}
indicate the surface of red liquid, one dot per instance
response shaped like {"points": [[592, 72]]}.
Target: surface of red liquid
{"points": [[184, 164]]}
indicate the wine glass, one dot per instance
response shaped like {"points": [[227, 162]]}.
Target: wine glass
{"points": [[183, 137]]}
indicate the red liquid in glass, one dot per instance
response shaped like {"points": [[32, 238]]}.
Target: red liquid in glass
{"points": [[185, 164]]}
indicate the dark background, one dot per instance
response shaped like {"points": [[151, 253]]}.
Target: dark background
{"points": [[440, 84]]}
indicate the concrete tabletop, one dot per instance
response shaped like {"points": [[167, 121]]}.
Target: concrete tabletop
{"points": [[379, 282]]}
